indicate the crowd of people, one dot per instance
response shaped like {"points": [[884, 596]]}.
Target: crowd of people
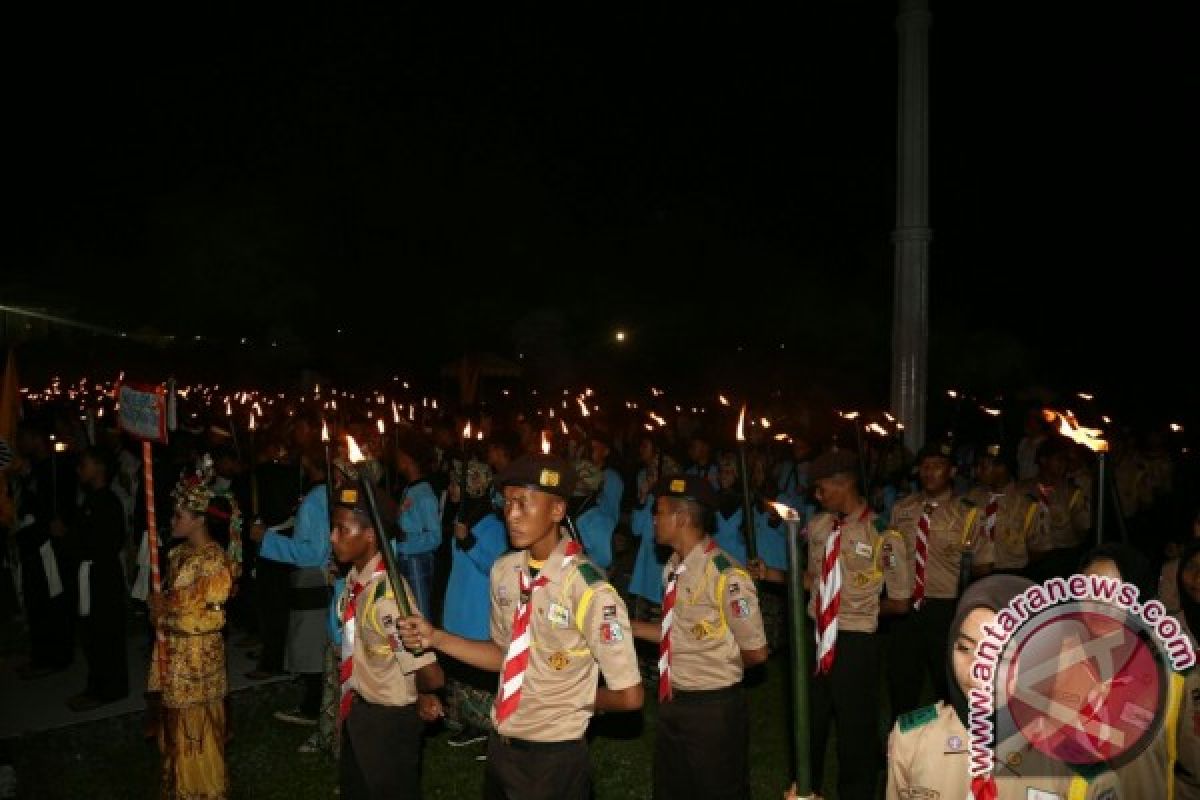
{"points": [[540, 580]]}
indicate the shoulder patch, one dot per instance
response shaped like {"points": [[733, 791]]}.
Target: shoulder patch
{"points": [[880, 524], [722, 562], [915, 719], [966, 501], [381, 588], [590, 574]]}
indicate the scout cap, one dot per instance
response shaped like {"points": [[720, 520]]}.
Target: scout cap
{"points": [[687, 487], [546, 473], [936, 449], [833, 462], [352, 498]]}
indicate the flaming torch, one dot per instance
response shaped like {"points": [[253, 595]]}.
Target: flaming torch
{"points": [[253, 470], [385, 546], [747, 507], [328, 471], [462, 480], [798, 643], [1092, 439]]}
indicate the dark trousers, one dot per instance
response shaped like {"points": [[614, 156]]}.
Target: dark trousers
{"points": [[381, 752], [702, 746], [849, 693], [916, 648], [104, 641], [520, 770], [272, 593]]}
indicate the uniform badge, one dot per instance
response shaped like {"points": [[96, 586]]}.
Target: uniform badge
{"points": [[861, 579], [862, 549], [889, 555], [609, 614], [559, 660], [740, 608], [733, 588], [699, 631], [502, 595], [1037, 794], [387, 621], [954, 743], [558, 616], [611, 633], [1014, 759]]}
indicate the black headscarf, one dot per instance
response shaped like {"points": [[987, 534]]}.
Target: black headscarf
{"points": [[993, 592], [1190, 608]]}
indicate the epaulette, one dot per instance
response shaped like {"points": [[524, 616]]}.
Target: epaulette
{"points": [[591, 576], [722, 562], [915, 719], [381, 588]]}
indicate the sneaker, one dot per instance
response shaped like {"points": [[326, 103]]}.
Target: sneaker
{"points": [[296, 717], [467, 737]]}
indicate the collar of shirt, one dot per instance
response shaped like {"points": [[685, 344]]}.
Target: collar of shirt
{"points": [[368, 570], [553, 567]]}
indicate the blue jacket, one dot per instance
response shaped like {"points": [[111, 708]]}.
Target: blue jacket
{"points": [[772, 542], [646, 580], [467, 609], [421, 521], [596, 528], [309, 544], [609, 498]]}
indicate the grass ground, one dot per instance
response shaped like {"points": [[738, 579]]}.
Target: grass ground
{"points": [[108, 759]]}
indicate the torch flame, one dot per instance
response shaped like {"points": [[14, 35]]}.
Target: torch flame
{"points": [[251, 420], [785, 512], [1176, 427], [722, 399], [228, 408], [395, 414], [545, 444], [993, 412], [355, 454], [379, 425], [563, 423], [467, 430], [848, 414], [583, 407], [324, 431], [1068, 426], [741, 426]]}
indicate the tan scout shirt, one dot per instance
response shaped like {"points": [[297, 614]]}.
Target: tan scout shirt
{"points": [[1067, 512], [1025, 773], [1187, 740], [578, 629], [955, 524], [1020, 528], [929, 756], [716, 618], [870, 560], [383, 669]]}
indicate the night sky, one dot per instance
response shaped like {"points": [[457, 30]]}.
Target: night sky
{"points": [[431, 180]]}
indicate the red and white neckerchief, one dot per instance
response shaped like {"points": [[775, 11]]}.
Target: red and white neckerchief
{"points": [[668, 619], [349, 623], [512, 675], [922, 553], [829, 598], [989, 514], [983, 787]]}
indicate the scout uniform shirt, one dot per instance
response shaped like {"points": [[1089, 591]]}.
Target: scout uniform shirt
{"points": [[929, 759], [928, 756], [716, 618], [1020, 527], [578, 624], [1066, 509], [955, 525], [383, 669], [871, 557], [1187, 739]]}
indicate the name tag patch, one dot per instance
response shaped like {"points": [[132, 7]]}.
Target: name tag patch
{"points": [[740, 608], [610, 613], [862, 549], [558, 616]]}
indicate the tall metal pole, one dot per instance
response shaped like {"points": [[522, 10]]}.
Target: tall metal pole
{"points": [[910, 311]]}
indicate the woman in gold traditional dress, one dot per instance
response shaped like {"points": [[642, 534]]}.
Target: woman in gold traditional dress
{"points": [[191, 613]]}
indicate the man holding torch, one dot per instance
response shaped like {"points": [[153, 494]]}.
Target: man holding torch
{"points": [[852, 558], [711, 630]]}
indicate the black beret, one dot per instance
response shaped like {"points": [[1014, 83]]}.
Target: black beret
{"points": [[833, 462], [352, 498], [687, 487], [546, 473], [936, 449]]}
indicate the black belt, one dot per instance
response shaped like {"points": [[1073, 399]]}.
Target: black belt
{"points": [[705, 696], [525, 744]]}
